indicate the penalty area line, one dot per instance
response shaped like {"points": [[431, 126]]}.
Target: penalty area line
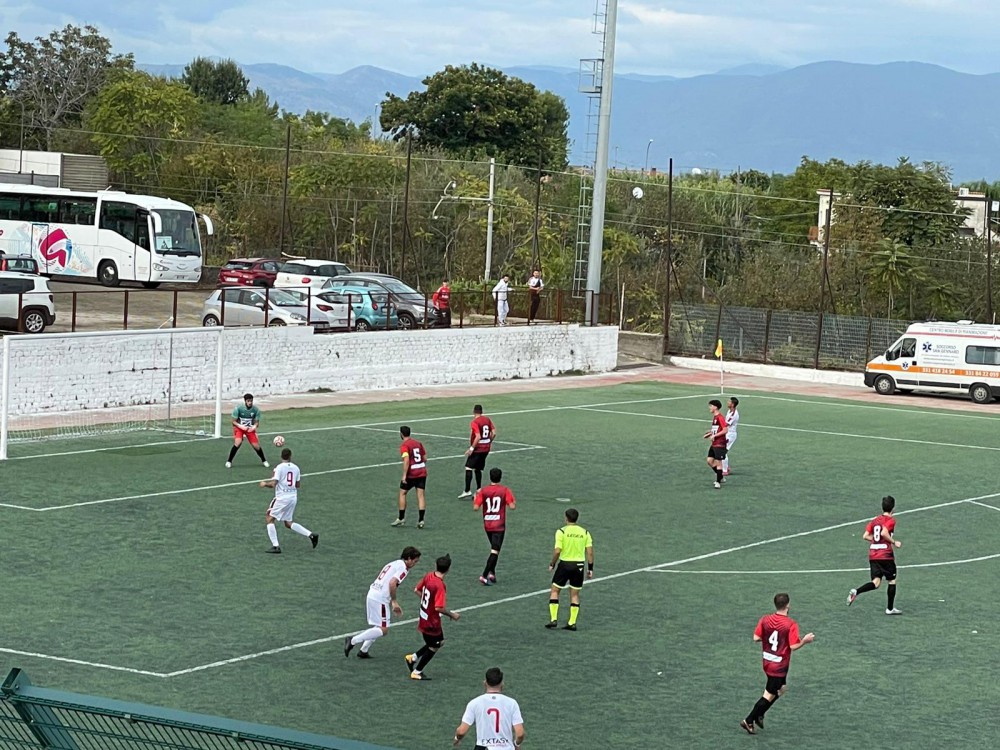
{"points": [[939, 564]]}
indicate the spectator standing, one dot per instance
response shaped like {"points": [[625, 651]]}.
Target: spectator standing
{"points": [[441, 299], [500, 292], [535, 286]]}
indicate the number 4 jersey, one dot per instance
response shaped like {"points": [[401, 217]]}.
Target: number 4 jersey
{"points": [[880, 528], [777, 634], [494, 499]]}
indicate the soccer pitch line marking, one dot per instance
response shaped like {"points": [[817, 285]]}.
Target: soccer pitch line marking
{"points": [[984, 505], [482, 605], [940, 564], [795, 429], [226, 485], [327, 428], [443, 437], [930, 410]]}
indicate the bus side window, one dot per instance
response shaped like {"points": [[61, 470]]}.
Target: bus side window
{"points": [[78, 211], [120, 218]]}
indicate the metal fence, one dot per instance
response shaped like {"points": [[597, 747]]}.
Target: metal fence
{"points": [[33, 717], [783, 337]]}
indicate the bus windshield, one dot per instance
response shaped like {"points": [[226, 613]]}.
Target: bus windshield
{"points": [[179, 235]]}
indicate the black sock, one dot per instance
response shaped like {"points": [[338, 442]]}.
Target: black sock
{"points": [[468, 480], [419, 654], [758, 710], [491, 564], [768, 706], [718, 476], [260, 452], [479, 479], [428, 655], [402, 514], [865, 587], [421, 514], [232, 452], [892, 595]]}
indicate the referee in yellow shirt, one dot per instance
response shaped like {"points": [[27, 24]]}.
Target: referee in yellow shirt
{"points": [[574, 546]]}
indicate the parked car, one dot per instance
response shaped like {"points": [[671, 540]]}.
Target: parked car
{"points": [[335, 312], [19, 263], [249, 272], [26, 302], [234, 306], [303, 273], [411, 305], [370, 309]]}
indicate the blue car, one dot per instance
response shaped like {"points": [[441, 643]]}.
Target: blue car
{"points": [[370, 310]]}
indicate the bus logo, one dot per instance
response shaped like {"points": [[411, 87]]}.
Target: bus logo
{"points": [[56, 249]]}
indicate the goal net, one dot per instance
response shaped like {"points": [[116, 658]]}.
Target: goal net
{"points": [[76, 385]]}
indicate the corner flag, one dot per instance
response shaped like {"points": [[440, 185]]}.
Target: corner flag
{"points": [[718, 349]]}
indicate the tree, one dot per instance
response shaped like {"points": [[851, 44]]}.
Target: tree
{"points": [[52, 79], [214, 82], [137, 119], [473, 112]]}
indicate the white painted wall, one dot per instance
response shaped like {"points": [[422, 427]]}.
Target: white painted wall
{"points": [[830, 377], [55, 373]]}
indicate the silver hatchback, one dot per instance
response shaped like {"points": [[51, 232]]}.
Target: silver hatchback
{"points": [[249, 306]]}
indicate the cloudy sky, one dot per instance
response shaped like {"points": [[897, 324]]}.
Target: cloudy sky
{"points": [[418, 37]]}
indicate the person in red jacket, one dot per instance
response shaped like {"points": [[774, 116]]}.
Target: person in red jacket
{"points": [[441, 299]]}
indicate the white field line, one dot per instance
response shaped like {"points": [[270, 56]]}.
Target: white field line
{"points": [[226, 485], [929, 411], [361, 426], [796, 429], [482, 605], [464, 438], [984, 505], [940, 564]]}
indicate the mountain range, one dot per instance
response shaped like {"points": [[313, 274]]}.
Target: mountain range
{"points": [[749, 117]]}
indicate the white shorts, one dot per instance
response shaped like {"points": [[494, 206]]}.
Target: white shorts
{"points": [[282, 510], [730, 439], [379, 613]]}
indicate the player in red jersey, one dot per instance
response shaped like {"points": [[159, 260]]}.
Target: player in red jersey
{"points": [[778, 635], [881, 556], [494, 500], [483, 435], [431, 591], [717, 432], [414, 475]]}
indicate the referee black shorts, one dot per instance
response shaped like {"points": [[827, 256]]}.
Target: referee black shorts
{"points": [[568, 574]]}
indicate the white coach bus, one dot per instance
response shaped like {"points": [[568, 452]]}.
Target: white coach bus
{"points": [[105, 235]]}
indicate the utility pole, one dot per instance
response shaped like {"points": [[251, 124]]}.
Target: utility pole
{"points": [[670, 260], [284, 189], [826, 254], [989, 263], [489, 220], [406, 205], [535, 263]]}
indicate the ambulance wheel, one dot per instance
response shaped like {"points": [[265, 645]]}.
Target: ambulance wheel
{"points": [[884, 385], [980, 393]]}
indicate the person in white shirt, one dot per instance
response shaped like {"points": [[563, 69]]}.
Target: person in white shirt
{"points": [[535, 286], [500, 297], [286, 482], [733, 420], [381, 603], [496, 717]]}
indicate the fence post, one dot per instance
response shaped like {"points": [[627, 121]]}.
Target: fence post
{"points": [[125, 316], [559, 305], [819, 340], [868, 342], [767, 333], [173, 315], [72, 325], [718, 325]]}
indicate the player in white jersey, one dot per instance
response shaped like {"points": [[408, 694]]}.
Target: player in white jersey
{"points": [[286, 482], [496, 717], [381, 603], [733, 422]]}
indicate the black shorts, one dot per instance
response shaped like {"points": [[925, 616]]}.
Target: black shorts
{"points": [[774, 684], [717, 452], [477, 461], [568, 574], [433, 641], [883, 569], [413, 482], [496, 539]]}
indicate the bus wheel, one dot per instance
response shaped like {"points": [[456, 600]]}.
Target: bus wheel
{"points": [[884, 385], [107, 274], [151, 284], [980, 393]]}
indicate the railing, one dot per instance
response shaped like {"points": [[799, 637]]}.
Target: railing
{"points": [[124, 309]]}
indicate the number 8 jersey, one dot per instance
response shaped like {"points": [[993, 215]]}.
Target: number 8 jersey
{"points": [[881, 528]]}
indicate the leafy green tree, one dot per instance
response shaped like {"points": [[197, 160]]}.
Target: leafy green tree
{"points": [[52, 79], [893, 269], [138, 118], [216, 82], [473, 111]]}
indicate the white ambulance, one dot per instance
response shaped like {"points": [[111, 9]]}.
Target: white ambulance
{"points": [[962, 357]]}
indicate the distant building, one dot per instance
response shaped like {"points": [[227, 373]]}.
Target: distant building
{"points": [[53, 169]]}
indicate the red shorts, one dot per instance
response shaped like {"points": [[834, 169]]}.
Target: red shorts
{"points": [[239, 433]]}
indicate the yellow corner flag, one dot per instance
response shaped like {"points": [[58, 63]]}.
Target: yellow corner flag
{"points": [[718, 349]]}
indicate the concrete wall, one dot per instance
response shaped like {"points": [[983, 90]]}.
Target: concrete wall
{"points": [[641, 345], [55, 373], [831, 377]]}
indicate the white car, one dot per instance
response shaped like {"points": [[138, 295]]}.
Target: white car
{"points": [[303, 273], [336, 313], [26, 302], [251, 306]]}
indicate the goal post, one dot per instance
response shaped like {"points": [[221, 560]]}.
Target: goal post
{"points": [[75, 385]]}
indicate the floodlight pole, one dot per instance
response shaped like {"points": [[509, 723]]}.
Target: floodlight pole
{"points": [[489, 220]]}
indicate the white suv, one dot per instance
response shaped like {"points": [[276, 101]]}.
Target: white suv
{"points": [[25, 302], [304, 272]]}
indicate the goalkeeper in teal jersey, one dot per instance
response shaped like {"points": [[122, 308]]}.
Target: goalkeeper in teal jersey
{"points": [[245, 420]]}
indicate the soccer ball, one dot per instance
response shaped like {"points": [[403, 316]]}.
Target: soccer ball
{"points": [[278, 441]]}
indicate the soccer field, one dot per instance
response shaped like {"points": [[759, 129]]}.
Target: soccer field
{"points": [[139, 572]]}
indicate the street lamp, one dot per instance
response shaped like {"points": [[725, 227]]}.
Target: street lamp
{"points": [[646, 168], [447, 196]]}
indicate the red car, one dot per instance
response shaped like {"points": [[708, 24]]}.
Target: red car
{"points": [[249, 272]]}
